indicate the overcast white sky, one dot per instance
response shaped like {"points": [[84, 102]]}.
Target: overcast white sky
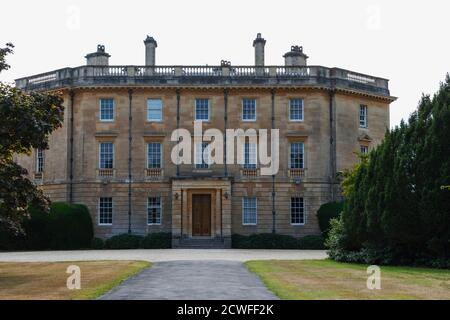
{"points": [[404, 41]]}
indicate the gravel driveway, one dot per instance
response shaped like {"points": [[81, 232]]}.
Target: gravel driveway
{"points": [[197, 280], [158, 255]]}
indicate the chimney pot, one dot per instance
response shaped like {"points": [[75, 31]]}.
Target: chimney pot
{"points": [[98, 58], [259, 44], [150, 51], [295, 57]]}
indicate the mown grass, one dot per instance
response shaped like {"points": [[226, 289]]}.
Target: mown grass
{"points": [[326, 279], [42, 281]]}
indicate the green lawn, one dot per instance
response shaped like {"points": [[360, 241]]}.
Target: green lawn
{"points": [[326, 279], [47, 280]]}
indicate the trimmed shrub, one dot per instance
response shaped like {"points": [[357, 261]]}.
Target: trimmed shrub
{"points": [[37, 235], [70, 226], [97, 243], [270, 241], [276, 241], [160, 240], [326, 212], [65, 227], [311, 243], [337, 241], [238, 241], [124, 241]]}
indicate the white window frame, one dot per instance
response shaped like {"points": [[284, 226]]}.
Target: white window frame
{"points": [[160, 211], [290, 151], [242, 111], [160, 155], [100, 154], [256, 212], [304, 211], [113, 110], [40, 166], [366, 116], [195, 110], [302, 108], [363, 147], [162, 111], [112, 212], [198, 145], [244, 165]]}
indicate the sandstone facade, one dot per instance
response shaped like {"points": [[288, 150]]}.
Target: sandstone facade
{"points": [[330, 132]]}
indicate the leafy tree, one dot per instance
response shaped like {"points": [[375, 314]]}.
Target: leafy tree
{"points": [[26, 120]]}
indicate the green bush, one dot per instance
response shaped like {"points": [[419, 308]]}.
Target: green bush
{"points": [[65, 227], [159, 240], [276, 241], [70, 226], [97, 243], [37, 234], [124, 241], [238, 241], [326, 212], [337, 243], [265, 241], [311, 243]]}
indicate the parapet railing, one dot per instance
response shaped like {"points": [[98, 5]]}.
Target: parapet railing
{"points": [[84, 75]]}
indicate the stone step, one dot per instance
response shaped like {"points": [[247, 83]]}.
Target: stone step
{"points": [[202, 243]]}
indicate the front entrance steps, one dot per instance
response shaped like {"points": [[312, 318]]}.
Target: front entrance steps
{"points": [[203, 243]]}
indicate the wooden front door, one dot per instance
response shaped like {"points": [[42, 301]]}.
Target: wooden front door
{"points": [[201, 214]]}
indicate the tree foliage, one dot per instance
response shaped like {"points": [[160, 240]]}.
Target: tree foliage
{"points": [[396, 209], [326, 213], [26, 120]]}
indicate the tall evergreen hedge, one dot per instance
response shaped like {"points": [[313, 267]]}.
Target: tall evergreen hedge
{"points": [[65, 227], [70, 226], [397, 207]]}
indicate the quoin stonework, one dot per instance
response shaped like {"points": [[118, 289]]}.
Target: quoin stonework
{"points": [[114, 150]]}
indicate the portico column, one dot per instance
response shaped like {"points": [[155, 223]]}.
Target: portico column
{"points": [[218, 214], [185, 213]]}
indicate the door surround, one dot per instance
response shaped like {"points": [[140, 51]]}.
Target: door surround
{"points": [[182, 191]]}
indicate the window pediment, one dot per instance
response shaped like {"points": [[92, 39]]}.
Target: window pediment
{"points": [[296, 136], [364, 138], [154, 136], [106, 134]]}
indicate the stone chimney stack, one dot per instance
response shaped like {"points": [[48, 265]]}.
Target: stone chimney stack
{"points": [[99, 58], [295, 57], [259, 44], [150, 48]]}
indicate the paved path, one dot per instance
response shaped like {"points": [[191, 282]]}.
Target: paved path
{"points": [[156, 255], [197, 280]]}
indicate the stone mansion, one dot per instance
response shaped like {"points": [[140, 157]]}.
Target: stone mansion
{"points": [[113, 152]]}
